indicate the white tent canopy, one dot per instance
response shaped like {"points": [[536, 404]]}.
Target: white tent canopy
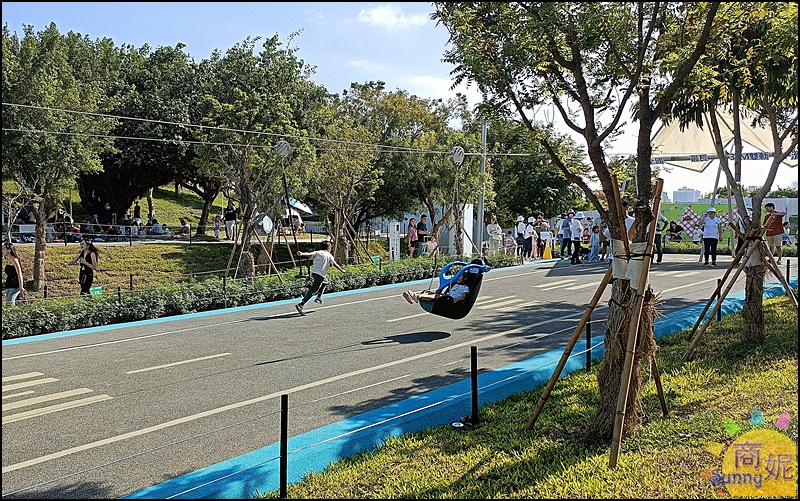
{"points": [[693, 147]]}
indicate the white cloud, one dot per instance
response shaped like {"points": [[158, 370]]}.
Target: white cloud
{"points": [[436, 87], [392, 17], [317, 17]]}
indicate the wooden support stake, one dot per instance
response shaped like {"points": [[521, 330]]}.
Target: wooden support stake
{"points": [[568, 349], [659, 388], [776, 270], [722, 296], [633, 332], [269, 258]]}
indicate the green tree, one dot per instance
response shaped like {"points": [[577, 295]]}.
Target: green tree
{"points": [[588, 60], [752, 72], [44, 147], [250, 103]]}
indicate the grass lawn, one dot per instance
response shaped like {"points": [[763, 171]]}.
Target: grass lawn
{"points": [[710, 398]]}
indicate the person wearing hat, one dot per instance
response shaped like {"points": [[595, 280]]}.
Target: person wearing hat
{"points": [[529, 252], [519, 235], [712, 231], [576, 230], [773, 222], [566, 233]]}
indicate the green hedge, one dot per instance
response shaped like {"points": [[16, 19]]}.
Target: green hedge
{"points": [[722, 249], [42, 317]]}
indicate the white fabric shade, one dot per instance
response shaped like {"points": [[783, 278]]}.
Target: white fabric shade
{"points": [[693, 147]]}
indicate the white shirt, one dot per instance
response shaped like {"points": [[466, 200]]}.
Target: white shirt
{"points": [[495, 231], [576, 228], [520, 228], [459, 291], [711, 228], [530, 231], [323, 260]]}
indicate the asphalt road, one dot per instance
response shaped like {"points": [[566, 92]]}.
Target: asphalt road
{"points": [[104, 414]]}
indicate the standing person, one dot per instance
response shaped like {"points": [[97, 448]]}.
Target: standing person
{"points": [[87, 257], [603, 241], [412, 237], [576, 230], [15, 283], [529, 252], [774, 230], [712, 231], [594, 245], [660, 226], [542, 225], [566, 233], [230, 221], [509, 243], [323, 260], [217, 226], [519, 235], [423, 233], [495, 232], [137, 211]]}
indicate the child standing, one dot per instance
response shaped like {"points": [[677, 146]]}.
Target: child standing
{"points": [[217, 226], [594, 244]]}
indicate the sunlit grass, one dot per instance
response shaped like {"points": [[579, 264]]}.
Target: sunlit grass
{"points": [[726, 379]]}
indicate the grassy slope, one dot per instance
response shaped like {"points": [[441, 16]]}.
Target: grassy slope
{"points": [[725, 380]]}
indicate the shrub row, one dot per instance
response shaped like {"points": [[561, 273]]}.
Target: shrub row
{"points": [[722, 249], [42, 317]]}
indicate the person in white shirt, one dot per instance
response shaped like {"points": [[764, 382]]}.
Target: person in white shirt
{"points": [[457, 292], [519, 230], [323, 260], [495, 235], [576, 230], [712, 231], [529, 252]]}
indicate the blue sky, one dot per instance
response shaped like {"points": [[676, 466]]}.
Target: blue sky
{"points": [[348, 42]]}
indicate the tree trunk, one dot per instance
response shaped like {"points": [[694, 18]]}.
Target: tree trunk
{"points": [[40, 249], [609, 378], [151, 208], [753, 310], [247, 269]]}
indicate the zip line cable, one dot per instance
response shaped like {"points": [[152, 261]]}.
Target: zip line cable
{"points": [[377, 147]]}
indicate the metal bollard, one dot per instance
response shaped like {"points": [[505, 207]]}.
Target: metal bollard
{"points": [[284, 444], [131, 281], [474, 379], [119, 294], [45, 291]]}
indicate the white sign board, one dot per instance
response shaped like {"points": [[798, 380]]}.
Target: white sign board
{"points": [[546, 235], [394, 240]]}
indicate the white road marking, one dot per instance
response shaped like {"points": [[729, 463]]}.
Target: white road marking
{"points": [[583, 286], [173, 364], [45, 398], [54, 408], [27, 375], [544, 289], [686, 274], [551, 284], [15, 386], [688, 285], [406, 318], [20, 394], [495, 300], [500, 304], [517, 307], [218, 410]]}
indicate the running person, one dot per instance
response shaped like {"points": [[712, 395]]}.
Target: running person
{"points": [[323, 260]]}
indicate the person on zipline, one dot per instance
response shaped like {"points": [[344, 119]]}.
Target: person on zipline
{"points": [[323, 260]]}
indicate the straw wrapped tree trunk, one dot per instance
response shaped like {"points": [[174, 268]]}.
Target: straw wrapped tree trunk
{"points": [[620, 307]]}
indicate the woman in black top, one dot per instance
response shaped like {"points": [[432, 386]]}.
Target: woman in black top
{"points": [[87, 258], [674, 232], [14, 285]]}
